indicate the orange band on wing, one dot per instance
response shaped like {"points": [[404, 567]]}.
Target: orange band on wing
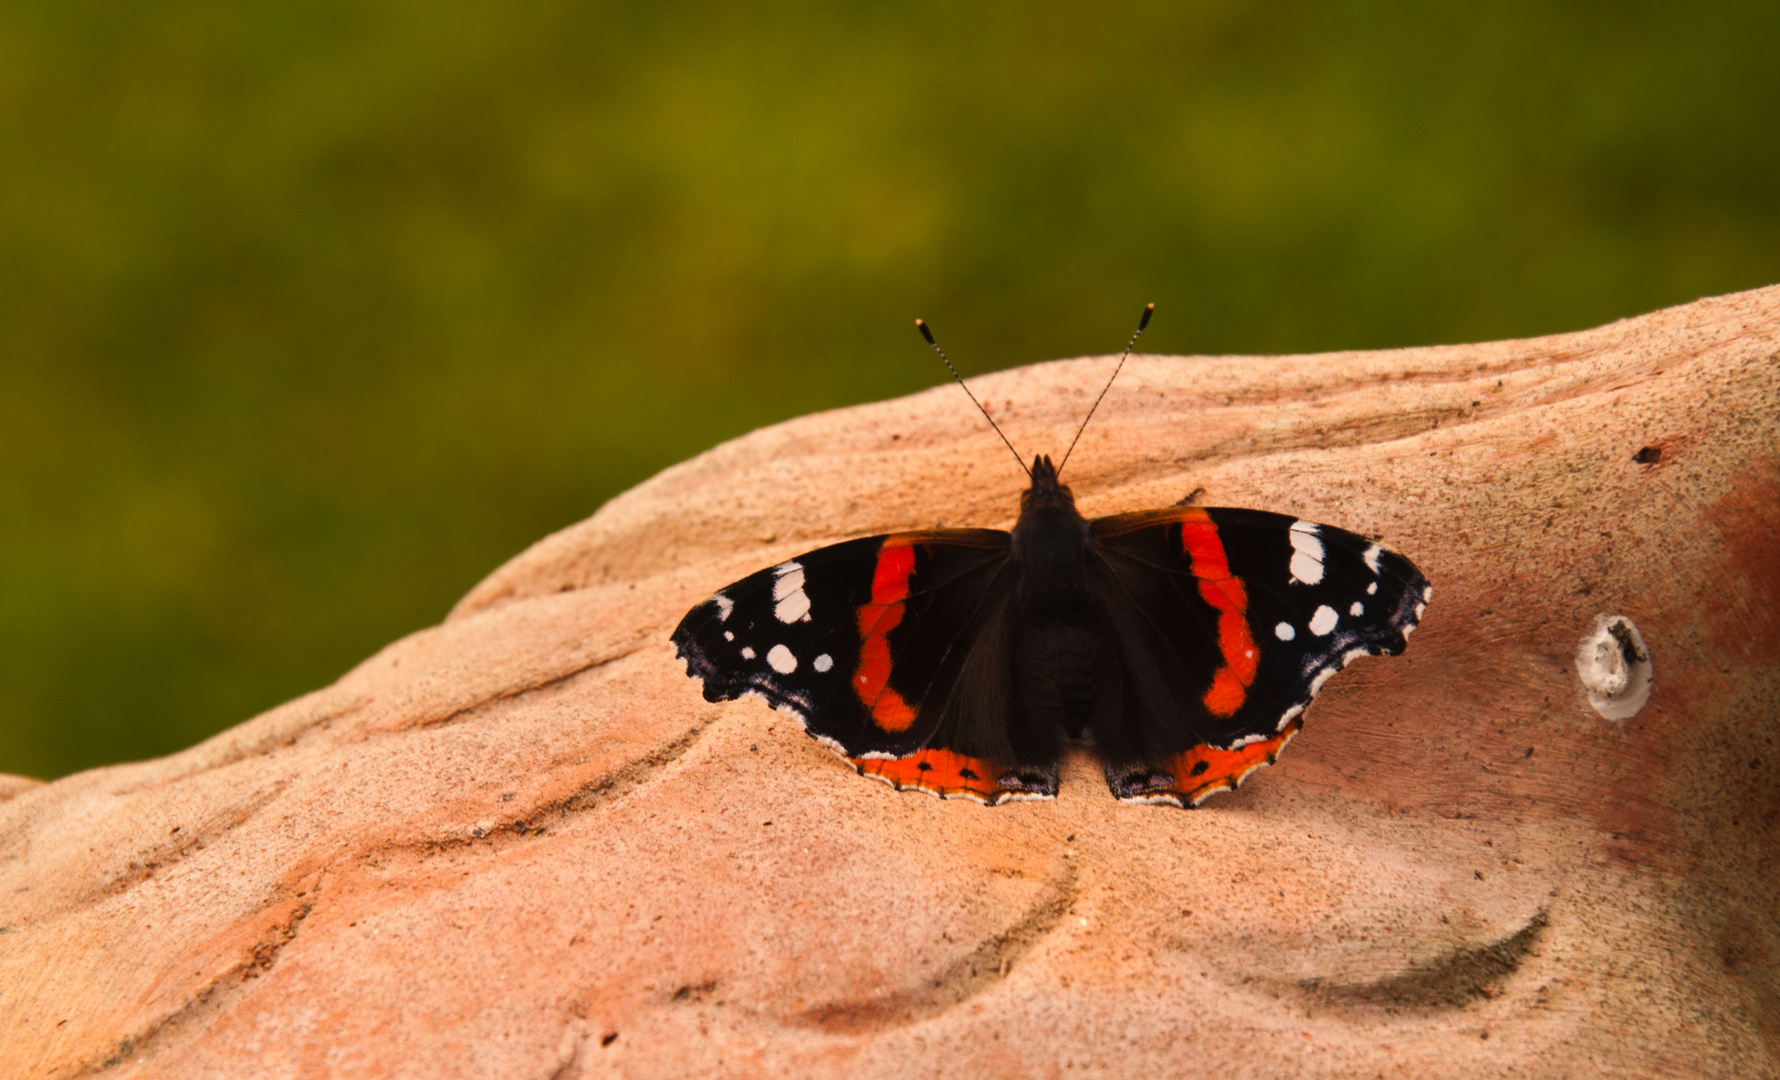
{"points": [[1230, 682], [889, 588], [1205, 769], [938, 772]]}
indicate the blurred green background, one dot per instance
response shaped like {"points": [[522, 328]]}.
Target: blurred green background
{"points": [[312, 314]]}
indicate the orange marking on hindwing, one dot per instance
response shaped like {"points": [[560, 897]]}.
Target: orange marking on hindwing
{"points": [[937, 772], [1206, 770], [1230, 682], [889, 588]]}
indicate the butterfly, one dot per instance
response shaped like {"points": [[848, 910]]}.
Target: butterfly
{"points": [[1183, 643]]}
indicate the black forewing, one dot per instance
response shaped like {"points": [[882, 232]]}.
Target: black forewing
{"points": [[952, 651], [728, 640], [1158, 603]]}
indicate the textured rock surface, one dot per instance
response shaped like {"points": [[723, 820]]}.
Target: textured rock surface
{"points": [[520, 843], [11, 785]]}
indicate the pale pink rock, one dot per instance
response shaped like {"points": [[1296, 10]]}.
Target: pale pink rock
{"points": [[11, 785], [521, 844]]}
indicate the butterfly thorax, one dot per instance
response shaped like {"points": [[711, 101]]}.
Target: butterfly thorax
{"points": [[1050, 546]]}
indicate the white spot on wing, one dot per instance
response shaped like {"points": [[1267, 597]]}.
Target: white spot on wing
{"points": [[1372, 589], [1323, 620], [1307, 553], [781, 660], [724, 606], [1305, 569], [793, 608], [1371, 558], [729, 635], [791, 604], [823, 662], [1356, 609], [747, 653], [1284, 631]]}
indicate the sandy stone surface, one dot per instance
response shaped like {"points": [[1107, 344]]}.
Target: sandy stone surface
{"points": [[520, 844]]}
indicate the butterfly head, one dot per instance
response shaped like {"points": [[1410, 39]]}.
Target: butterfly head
{"points": [[1051, 536], [1046, 491]]}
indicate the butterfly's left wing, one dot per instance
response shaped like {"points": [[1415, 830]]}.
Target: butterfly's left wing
{"points": [[890, 649], [1228, 622]]}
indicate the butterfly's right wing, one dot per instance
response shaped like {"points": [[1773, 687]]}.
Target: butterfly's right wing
{"points": [[890, 649], [1228, 622]]}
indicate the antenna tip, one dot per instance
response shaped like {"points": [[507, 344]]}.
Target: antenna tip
{"points": [[1148, 310], [921, 325]]}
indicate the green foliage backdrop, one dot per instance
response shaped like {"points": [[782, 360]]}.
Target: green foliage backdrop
{"points": [[312, 314]]}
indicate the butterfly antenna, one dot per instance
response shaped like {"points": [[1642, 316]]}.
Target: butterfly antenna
{"points": [[1148, 310], [921, 325]]}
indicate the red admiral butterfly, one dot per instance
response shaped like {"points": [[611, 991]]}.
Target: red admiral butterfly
{"points": [[1185, 642]]}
